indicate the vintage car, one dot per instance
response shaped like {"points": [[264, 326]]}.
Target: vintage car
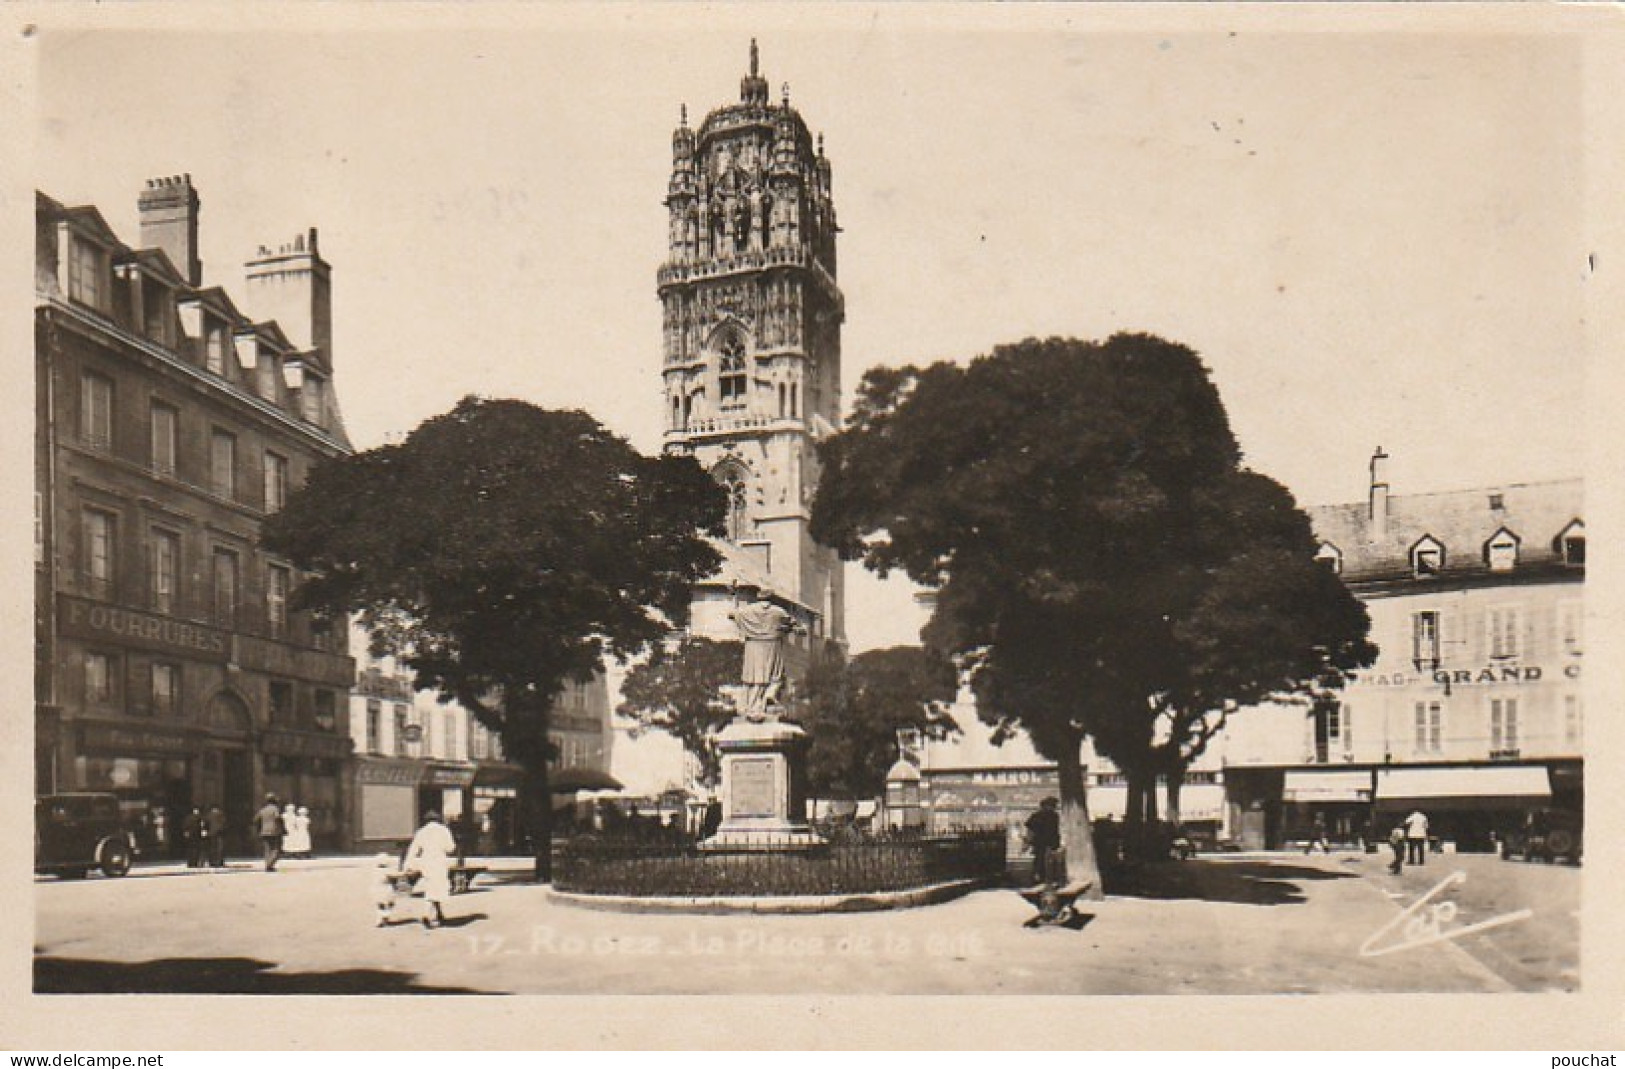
{"points": [[1546, 835], [74, 833]]}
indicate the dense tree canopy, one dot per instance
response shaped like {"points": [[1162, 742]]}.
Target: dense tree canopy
{"points": [[1100, 556], [500, 551], [679, 690], [853, 710]]}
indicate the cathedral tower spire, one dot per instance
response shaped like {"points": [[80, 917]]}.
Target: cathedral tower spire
{"points": [[752, 331]]}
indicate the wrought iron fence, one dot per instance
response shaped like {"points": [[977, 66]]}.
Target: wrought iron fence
{"points": [[643, 867]]}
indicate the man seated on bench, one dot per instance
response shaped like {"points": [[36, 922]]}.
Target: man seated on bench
{"points": [[1057, 897]]}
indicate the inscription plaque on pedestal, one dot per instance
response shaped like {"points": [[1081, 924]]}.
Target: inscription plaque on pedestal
{"points": [[752, 786]]}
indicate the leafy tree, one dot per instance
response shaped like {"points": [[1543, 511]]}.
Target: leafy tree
{"points": [[853, 709], [679, 690], [500, 551], [1076, 506]]}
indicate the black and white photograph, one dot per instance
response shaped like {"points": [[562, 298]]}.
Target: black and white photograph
{"points": [[801, 506]]}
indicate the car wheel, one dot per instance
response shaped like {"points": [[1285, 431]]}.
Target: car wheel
{"points": [[1560, 844], [115, 858]]}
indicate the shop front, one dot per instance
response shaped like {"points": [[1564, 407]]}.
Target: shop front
{"points": [[150, 769], [495, 816], [1335, 803], [446, 789], [308, 769], [1469, 806], [386, 802]]}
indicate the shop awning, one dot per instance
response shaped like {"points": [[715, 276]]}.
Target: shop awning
{"points": [[570, 780], [1197, 801], [1476, 787], [1330, 785], [438, 775], [496, 774]]}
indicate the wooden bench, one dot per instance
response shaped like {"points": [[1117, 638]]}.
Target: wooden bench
{"points": [[462, 876], [1056, 898]]}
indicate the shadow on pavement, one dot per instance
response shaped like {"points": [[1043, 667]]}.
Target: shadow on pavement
{"points": [[220, 976], [1254, 883]]}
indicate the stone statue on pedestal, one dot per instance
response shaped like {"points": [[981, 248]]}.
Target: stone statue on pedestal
{"points": [[764, 627]]}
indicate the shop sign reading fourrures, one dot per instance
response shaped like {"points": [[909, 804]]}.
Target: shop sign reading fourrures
{"points": [[106, 623]]}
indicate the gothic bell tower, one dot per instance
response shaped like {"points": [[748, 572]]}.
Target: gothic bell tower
{"points": [[752, 324]]}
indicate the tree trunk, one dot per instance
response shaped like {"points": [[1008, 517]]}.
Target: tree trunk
{"points": [[1076, 835], [1176, 780], [537, 800], [1140, 830]]}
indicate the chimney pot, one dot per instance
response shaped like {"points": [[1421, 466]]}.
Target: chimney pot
{"points": [[169, 220], [1379, 495]]}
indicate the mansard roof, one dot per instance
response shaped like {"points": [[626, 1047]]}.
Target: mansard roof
{"points": [[1463, 521]]}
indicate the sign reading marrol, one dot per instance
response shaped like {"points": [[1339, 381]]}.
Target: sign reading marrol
{"points": [[102, 623]]}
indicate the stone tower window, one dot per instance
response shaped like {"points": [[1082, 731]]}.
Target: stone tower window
{"points": [[732, 370], [734, 482]]}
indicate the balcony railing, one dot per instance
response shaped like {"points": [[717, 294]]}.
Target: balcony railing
{"points": [[735, 424]]}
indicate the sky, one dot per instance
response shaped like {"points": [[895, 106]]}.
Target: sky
{"points": [[1372, 238]]}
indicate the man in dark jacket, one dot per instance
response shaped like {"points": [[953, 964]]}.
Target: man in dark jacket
{"points": [[1044, 837], [268, 825], [214, 822], [196, 835]]}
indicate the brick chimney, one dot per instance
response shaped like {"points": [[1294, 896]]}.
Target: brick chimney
{"points": [[169, 208], [1379, 495]]}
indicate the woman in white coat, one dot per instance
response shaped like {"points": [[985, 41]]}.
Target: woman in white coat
{"points": [[297, 843], [290, 833], [431, 854]]}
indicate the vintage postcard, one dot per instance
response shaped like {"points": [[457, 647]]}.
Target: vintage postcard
{"points": [[967, 525]]}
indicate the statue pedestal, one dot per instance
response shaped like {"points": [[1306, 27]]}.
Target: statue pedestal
{"points": [[764, 790]]}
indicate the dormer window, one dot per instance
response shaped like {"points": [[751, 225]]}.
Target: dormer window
{"points": [[87, 274], [310, 396], [1501, 551], [1331, 557], [214, 348], [732, 373], [158, 312], [1571, 544], [1427, 557]]}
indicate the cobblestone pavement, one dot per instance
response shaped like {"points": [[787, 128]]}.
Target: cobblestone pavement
{"points": [[1234, 925]]}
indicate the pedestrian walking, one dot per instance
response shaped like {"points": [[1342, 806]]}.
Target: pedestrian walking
{"points": [[430, 855], [1416, 835], [1043, 838], [1396, 843], [196, 835], [268, 825], [297, 842], [1318, 836], [214, 823], [290, 818]]}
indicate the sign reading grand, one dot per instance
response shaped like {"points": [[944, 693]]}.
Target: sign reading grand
{"points": [[92, 620]]}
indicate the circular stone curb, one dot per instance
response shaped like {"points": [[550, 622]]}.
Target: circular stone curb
{"points": [[867, 902]]}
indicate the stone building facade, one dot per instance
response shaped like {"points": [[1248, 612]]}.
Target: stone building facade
{"points": [[415, 753], [170, 669], [1473, 711]]}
